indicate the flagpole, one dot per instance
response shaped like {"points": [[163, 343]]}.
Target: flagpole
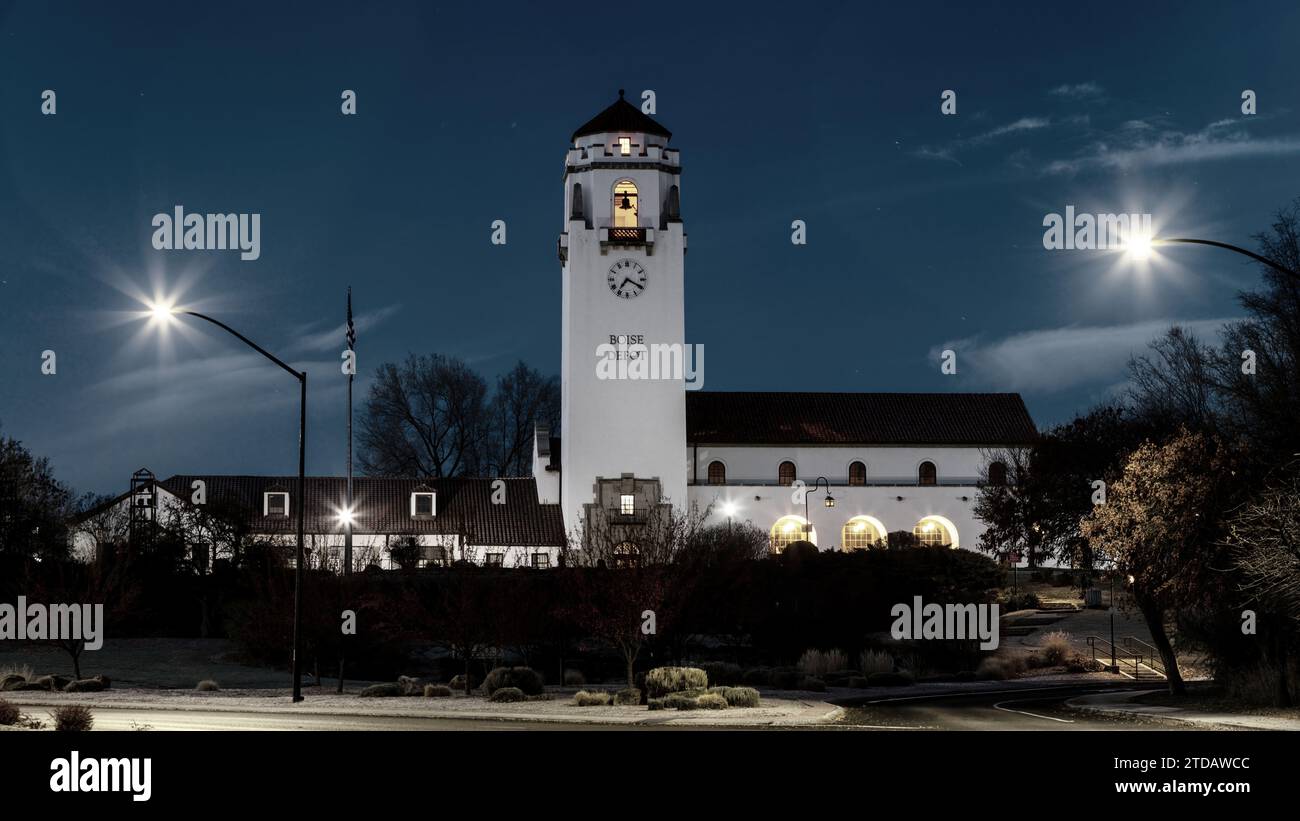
{"points": [[347, 543]]}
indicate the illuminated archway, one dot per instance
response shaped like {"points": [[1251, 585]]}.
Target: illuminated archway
{"points": [[790, 529], [933, 531], [862, 532], [626, 204]]}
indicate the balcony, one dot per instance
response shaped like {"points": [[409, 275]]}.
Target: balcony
{"points": [[628, 237]]}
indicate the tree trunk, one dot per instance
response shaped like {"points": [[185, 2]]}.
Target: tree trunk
{"points": [[340, 689], [1281, 690], [1155, 619], [76, 662], [631, 662]]}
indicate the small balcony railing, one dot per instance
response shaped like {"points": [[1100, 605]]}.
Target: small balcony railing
{"points": [[634, 236]]}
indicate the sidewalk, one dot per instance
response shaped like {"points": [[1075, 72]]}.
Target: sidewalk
{"points": [[788, 710], [1120, 702]]}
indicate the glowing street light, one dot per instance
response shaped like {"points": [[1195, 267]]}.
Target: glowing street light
{"points": [[166, 313], [1140, 247]]}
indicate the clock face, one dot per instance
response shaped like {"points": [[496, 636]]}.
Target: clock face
{"points": [[627, 279]]}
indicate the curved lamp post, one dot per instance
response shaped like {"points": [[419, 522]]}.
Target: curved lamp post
{"points": [[165, 312], [829, 502], [1142, 246]]}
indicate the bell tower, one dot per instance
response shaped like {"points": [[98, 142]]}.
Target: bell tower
{"points": [[623, 421]]}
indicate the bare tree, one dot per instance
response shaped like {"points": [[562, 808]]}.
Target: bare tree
{"points": [[624, 587], [425, 418], [523, 399]]}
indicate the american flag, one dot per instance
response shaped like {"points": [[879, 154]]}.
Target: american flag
{"points": [[352, 331]]}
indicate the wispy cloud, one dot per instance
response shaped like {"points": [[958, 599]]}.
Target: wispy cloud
{"points": [[1078, 91], [1056, 359], [333, 338], [1135, 146], [949, 151]]}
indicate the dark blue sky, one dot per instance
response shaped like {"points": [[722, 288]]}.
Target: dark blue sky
{"points": [[925, 231]]}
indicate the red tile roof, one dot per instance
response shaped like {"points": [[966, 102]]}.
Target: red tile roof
{"points": [[383, 506], [770, 418]]}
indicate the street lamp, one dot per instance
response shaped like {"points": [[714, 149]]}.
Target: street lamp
{"points": [[729, 510], [829, 502], [1141, 247], [164, 313]]}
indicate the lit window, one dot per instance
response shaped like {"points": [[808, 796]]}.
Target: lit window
{"points": [[275, 504], [930, 532], [861, 532], [997, 473], [927, 474], [625, 205], [785, 474], [627, 504], [857, 474], [422, 503], [494, 559], [717, 473], [541, 560], [790, 529], [627, 555], [625, 146]]}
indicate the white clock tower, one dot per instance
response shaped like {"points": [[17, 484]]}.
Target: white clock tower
{"points": [[622, 251]]}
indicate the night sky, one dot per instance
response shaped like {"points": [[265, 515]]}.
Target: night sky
{"points": [[924, 230]]}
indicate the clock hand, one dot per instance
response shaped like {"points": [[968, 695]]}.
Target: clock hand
{"points": [[627, 281]]}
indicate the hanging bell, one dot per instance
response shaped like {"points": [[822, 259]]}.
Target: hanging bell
{"points": [[626, 204]]}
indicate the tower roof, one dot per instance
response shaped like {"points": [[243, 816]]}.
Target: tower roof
{"points": [[621, 116]]}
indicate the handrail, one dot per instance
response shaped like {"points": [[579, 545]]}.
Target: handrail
{"points": [[1154, 663], [1114, 652]]}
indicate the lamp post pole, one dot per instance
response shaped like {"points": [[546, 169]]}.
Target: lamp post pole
{"points": [[301, 376], [1276, 266], [807, 522], [1113, 665]]}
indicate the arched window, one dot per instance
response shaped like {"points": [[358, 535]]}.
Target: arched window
{"points": [[857, 474], [625, 204], [927, 474], [785, 474], [790, 529], [934, 532], [717, 473], [861, 532], [627, 554], [997, 473]]}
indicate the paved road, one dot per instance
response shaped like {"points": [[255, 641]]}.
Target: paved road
{"points": [[1018, 709], [134, 718]]}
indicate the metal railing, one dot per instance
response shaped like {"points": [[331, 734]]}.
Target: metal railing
{"points": [[1150, 655], [635, 235]]}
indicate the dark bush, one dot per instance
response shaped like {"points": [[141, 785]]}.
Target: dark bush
{"points": [[627, 697], [8, 714], [507, 694], [12, 681], [574, 678], [786, 679], [72, 718], [523, 678], [87, 685], [458, 682], [737, 696], [722, 673], [757, 677], [966, 675], [857, 682], [811, 683]]}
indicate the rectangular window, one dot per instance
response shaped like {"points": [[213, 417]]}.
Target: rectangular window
{"points": [[625, 146], [627, 504], [541, 560], [494, 559], [275, 504], [422, 504]]}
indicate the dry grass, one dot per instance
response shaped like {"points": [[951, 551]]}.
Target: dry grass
{"points": [[1056, 647], [586, 698], [207, 686], [9, 714], [72, 718], [876, 661], [818, 663]]}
